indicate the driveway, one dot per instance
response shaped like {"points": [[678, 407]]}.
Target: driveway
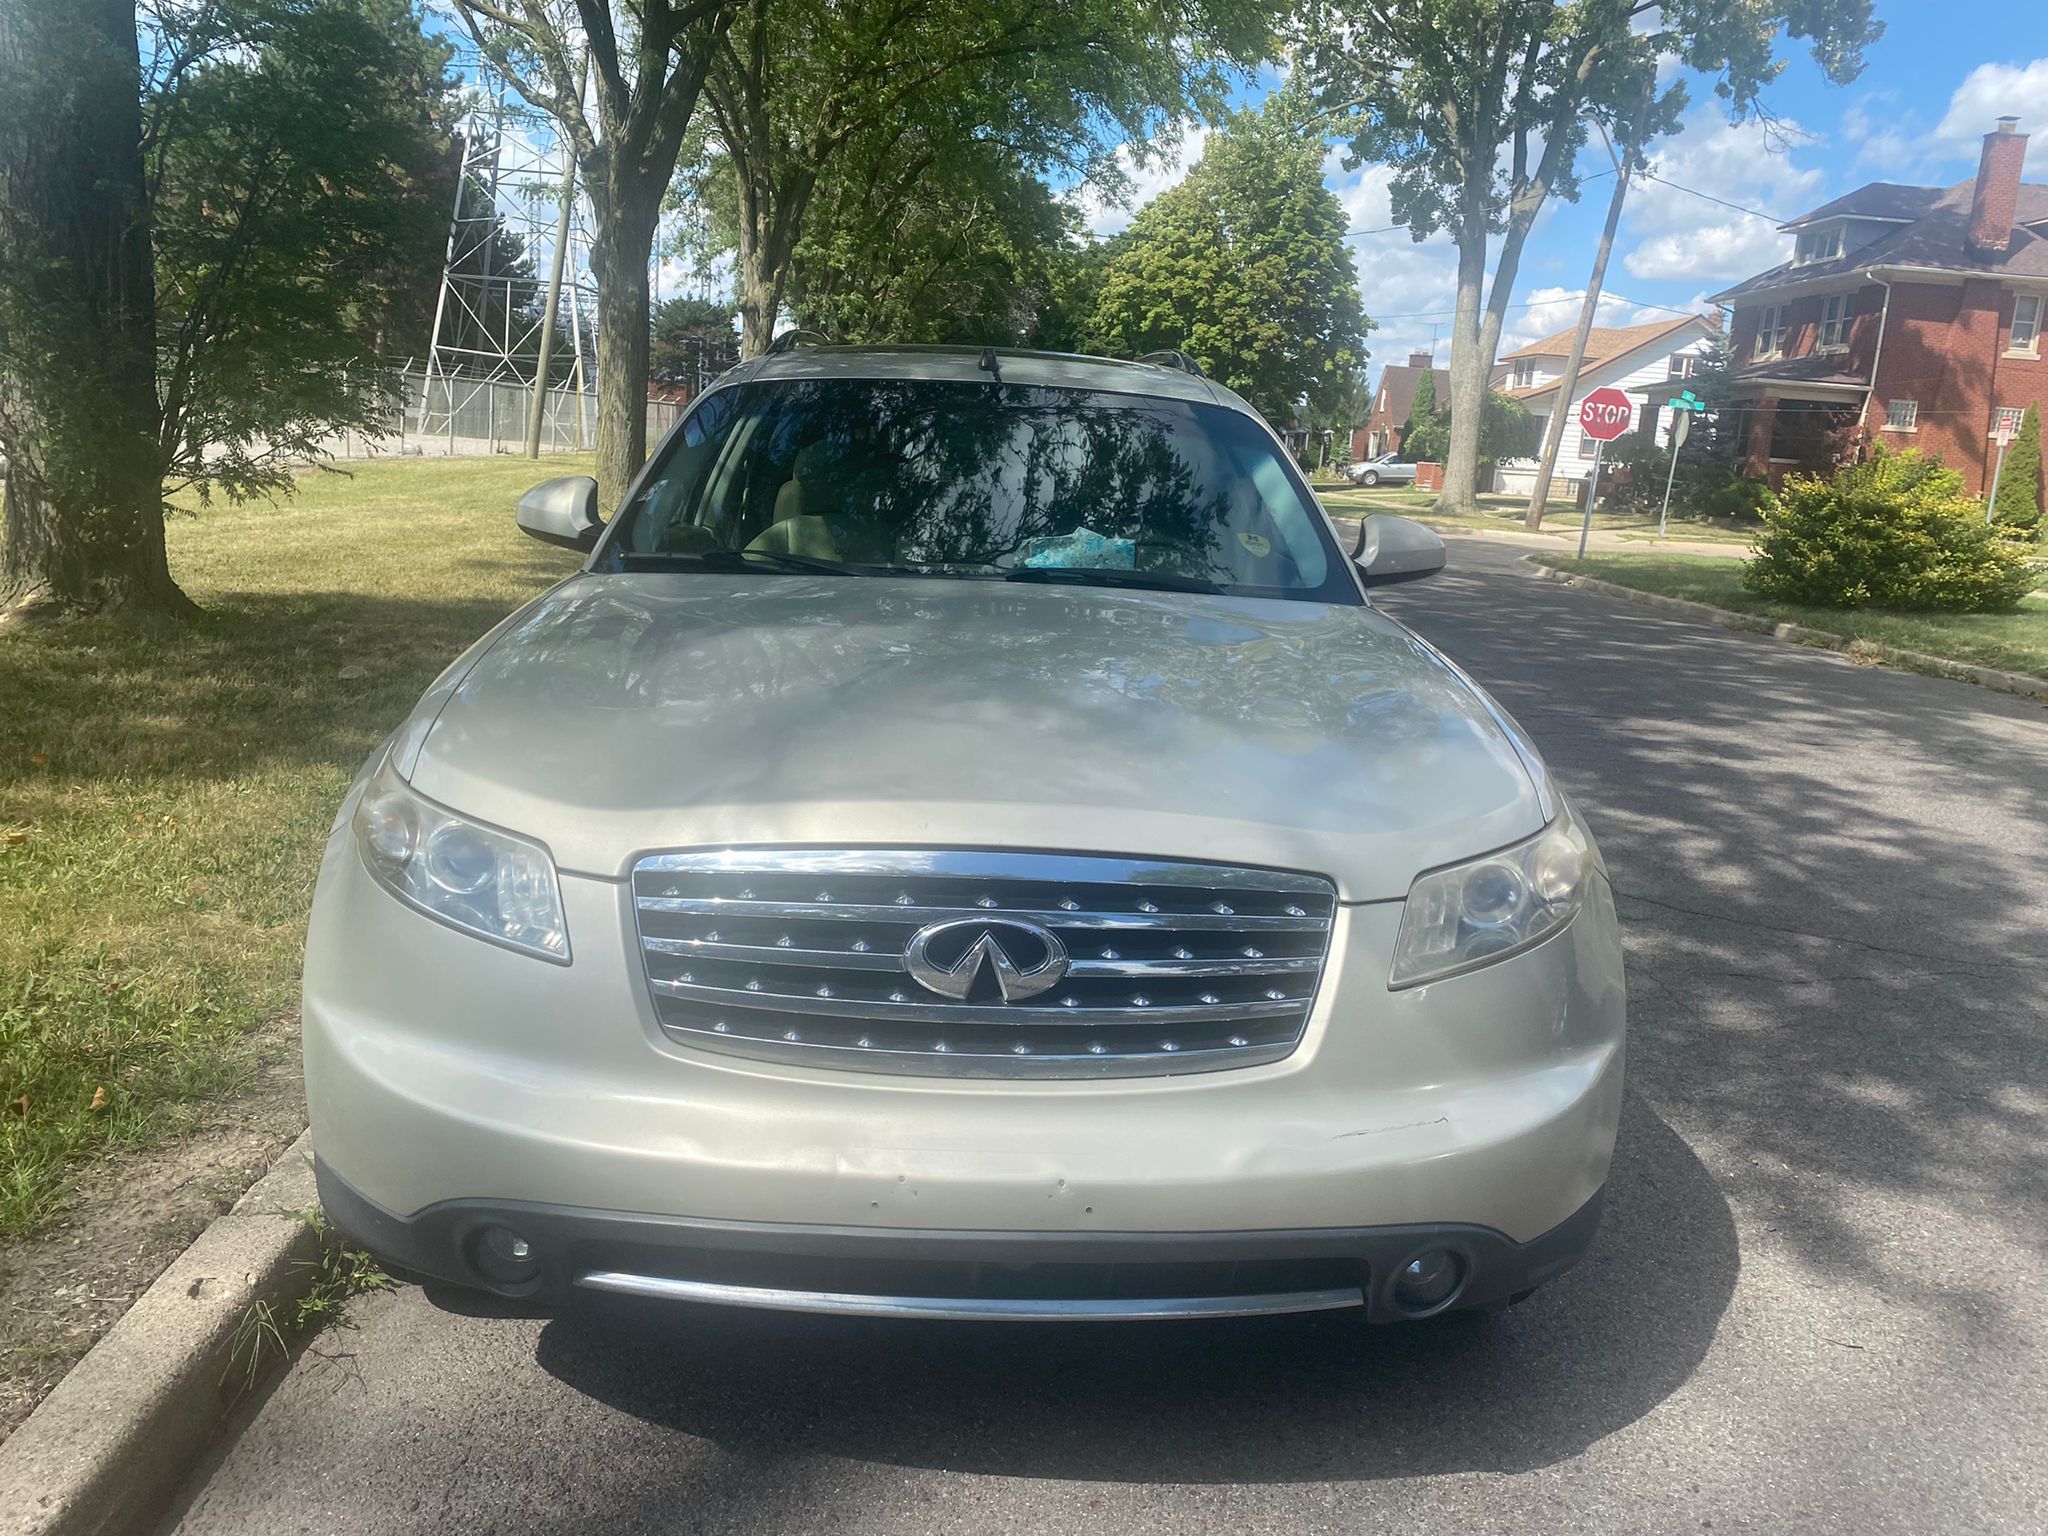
{"points": [[1817, 1303]]}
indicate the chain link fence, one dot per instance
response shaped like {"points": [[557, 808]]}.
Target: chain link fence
{"points": [[452, 415]]}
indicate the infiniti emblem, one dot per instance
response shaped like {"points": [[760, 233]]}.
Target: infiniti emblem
{"points": [[949, 958]]}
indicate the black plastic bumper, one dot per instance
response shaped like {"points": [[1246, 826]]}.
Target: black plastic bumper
{"points": [[520, 1249]]}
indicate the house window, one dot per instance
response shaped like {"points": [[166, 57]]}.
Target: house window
{"points": [[1681, 365], [2026, 324], [1834, 321], [2006, 419], [1902, 415], [1588, 447], [1524, 374], [1818, 245], [1770, 331]]}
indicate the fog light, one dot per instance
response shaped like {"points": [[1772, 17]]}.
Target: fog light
{"points": [[503, 1255], [1429, 1280]]}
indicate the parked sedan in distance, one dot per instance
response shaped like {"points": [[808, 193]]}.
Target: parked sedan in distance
{"points": [[964, 845], [1387, 469]]}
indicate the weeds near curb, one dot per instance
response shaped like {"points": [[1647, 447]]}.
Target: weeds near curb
{"points": [[339, 1275]]}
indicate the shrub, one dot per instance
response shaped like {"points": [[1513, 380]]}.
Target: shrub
{"points": [[1704, 486], [1896, 532], [2018, 508]]}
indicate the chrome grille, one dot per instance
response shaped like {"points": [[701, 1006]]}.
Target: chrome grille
{"points": [[800, 956]]}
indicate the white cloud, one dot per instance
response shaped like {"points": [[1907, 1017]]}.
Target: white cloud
{"points": [[1683, 235], [1895, 143], [1546, 311], [1161, 165], [1408, 288], [1989, 92]]}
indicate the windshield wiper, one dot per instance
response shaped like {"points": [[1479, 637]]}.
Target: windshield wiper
{"points": [[1110, 576], [741, 560]]}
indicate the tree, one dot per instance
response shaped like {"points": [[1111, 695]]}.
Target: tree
{"points": [[78, 315], [928, 239], [1243, 266], [799, 84], [1481, 107], [693, 342], [1423, 436], [2017, 509], [194, 263], [623, 96]]}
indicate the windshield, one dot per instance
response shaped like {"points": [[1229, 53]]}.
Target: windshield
{"points": [[979, 480]]}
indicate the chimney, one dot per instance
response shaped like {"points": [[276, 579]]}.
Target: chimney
{"points": [[1422, 359], [1997, 196]]}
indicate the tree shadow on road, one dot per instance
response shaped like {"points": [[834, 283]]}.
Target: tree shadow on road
{"points": [[1832, 889], [1250, 1401]]}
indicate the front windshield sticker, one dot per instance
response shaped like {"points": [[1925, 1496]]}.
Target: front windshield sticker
{"points": [[1257, 545], [1083, 549]]}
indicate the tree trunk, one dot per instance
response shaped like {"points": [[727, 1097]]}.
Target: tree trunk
{"points": [[620, 251], [1468, 370], [1568, 385], [78, 406], [759, 296]]}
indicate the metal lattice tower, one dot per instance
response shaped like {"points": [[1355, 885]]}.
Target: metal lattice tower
{"points": [[494, 280]]}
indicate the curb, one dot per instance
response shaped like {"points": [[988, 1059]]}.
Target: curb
{"points": [[1799, 634], [105, 1452]]}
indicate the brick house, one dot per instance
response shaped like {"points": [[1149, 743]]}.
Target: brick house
{"points": [[1381, 430], [1907, 315]]}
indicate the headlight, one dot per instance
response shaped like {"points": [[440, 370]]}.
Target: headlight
{"points": [[489, 883], [1472, 914]]}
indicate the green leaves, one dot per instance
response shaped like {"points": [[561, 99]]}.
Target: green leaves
{"points": [[1243, 266], [2017, 511], [1896, 532], [298, 170]]}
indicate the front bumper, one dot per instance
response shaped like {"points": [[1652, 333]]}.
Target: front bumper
{"points": [[448, 1079], [522, 1249]]}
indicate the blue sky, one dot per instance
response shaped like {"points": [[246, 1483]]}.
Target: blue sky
{"points": [[1928, 93]]}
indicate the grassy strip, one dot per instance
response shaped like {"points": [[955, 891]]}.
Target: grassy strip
{"points": [[2011, 642], [1505, 513], [165, 790]]}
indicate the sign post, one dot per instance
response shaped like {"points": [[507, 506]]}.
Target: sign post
{"points": [[1603, 416], [2002, 435], [1682, 407]]}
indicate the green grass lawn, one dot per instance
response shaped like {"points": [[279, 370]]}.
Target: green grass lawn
{"points": [[1505, 513], [164, 790], [2015, 642]]}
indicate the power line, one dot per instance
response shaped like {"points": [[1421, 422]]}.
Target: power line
{"points": [[1435, 314], [1754, 213], [1388, 229]]}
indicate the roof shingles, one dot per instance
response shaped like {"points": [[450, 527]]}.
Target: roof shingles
{"points": [[1936, 236]]}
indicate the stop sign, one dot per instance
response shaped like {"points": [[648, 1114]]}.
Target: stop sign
{"points": [[1605, 414]]}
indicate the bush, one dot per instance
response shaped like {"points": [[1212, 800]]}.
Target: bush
{"points": [[2018, 510], [1897, 532], [1704, 487]]}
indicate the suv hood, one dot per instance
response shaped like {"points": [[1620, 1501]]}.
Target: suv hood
{"points": [[626, 713]]}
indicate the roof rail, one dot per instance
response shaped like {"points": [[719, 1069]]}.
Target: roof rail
{"points": [[1171, 359], [789, 341]]}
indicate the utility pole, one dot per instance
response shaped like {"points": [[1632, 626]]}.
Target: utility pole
{"points": [[1567, 386], [547, 319]]}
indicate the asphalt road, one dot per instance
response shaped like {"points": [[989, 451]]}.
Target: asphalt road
{"points": [[1818, 1303]]}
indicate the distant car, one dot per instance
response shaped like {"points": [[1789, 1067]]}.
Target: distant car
{"points": [[1387, 469]]}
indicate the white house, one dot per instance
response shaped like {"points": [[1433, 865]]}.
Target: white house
{"points": [[1648, 363]]}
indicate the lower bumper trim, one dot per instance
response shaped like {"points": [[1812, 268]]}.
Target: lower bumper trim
{"points": [[973, 1309], [546, 1252]]}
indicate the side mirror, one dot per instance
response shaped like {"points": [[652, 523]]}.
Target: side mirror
{"points": [[1394, 549], [562, 512]]}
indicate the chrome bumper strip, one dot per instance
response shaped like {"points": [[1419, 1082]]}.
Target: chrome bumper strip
{"points": [[973, 1309]]}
